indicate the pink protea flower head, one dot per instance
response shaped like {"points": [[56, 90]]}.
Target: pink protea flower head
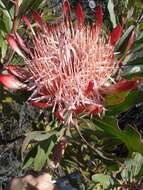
{"points": [[69, 65]]}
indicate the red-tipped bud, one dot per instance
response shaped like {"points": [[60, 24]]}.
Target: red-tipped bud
{"points": [[37, 18], [94, 108], [90, 87], [10, 82], [59, 116], [40, 104], [59, 152], [66, 8], [79, 14], [99, 17], [27, 22], [11, 41], [116, 34], [79, 109]]}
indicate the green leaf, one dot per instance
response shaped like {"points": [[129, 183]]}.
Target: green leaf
{"points": [[132, 71], [27, 6], [3, 48], [28, 163], [122, 44], [135, 58], [133, 98], [105, 180], [137, 45], [36, 136], [29, 137], [112, 13], [50, 17], [129, 136], [42, 136], [5, 17], [132, 166], [40, 159], [29, 159], [48, 145], [115, 99]]}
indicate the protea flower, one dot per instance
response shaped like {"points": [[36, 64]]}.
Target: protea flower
{"points": [[69, 65]]}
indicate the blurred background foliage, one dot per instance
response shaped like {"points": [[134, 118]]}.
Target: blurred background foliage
{"points": [[106, 151]]}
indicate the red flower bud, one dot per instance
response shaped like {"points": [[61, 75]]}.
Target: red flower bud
{"points": [[40, 104]]}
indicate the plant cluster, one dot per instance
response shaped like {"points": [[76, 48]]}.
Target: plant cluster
{"points": [[71, 85]]}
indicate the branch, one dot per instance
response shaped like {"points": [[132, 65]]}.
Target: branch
{"points": [[16, 11], [92, 148], [4, 142]]}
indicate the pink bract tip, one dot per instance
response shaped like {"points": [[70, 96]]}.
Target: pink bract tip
{"points": [[13, 45], [10, 82]]}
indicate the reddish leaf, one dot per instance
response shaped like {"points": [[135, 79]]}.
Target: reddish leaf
{"points": [[40, 104], [11, 41], [79, 14], [20, 40], [21, 43], [18, 72], [115, 35], [123, 85], [10, 82]]}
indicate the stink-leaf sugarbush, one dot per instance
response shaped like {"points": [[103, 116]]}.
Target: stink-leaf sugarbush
{"points": [[68, 66]]}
